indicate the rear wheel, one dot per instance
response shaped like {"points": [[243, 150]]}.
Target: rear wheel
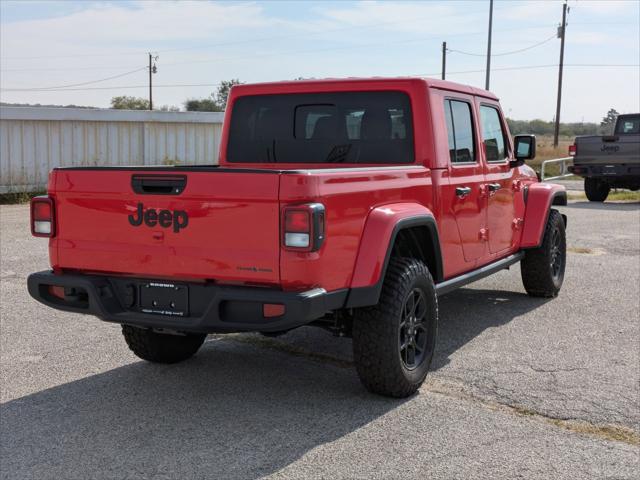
{"points": [[542, 268], [161, 347], [394, 341], [596, 190]]}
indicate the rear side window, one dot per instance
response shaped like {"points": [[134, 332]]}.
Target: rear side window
{"points": [[493, 135], [460, 131], [343, 127]]}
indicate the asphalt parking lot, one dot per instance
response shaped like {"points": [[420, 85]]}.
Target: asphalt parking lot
{"points": [[521, 387]]}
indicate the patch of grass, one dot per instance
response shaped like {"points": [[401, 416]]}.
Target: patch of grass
{"points": [[579, 250], [546, 151], [12, 198], [172, 162], [616, 195]]}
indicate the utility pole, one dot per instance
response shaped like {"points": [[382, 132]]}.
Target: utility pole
{"points": [[444, 59], [561, 32], [152, 69], [486, 83]]}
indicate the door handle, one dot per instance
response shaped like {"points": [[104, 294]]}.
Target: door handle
{"points": [[493, 187], [463, 191]]}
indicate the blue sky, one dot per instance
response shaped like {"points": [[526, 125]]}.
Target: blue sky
{"points": [[71, 45]]}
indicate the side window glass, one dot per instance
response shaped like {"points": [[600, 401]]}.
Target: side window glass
{"points": [[492, 134], [460, 131], [450, 131]]}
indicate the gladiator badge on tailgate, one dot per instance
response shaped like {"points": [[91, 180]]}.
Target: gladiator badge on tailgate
{"points": [[164, 218]]}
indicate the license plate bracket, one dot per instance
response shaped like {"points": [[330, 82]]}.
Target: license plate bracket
{"points": [[162, 298]]}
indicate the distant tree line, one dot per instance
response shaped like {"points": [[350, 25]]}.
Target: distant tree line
{"points": [[543, 127], [217, 102], [5, 104]]}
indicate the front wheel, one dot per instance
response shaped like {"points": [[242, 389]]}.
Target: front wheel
{"points": [[394, 341], [161, 347], [596, 190], [542, 268]]}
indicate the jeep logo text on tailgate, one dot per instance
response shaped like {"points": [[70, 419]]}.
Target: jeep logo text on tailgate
{"points": [[165, 218]]}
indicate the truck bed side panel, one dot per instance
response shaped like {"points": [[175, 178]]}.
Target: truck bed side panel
{"points": [[348, 196]]}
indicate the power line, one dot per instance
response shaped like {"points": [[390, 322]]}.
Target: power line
{"points": [[62, 87], [229, 58], [115, 87], [533, 67], [64, 69], [78, 55], [187, 85], [502, 54], [316, 50]]}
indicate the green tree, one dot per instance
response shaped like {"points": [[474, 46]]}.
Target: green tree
{"points": [[202, 105], [223, 92], [216, 102], [610, 119], [124, 102]]}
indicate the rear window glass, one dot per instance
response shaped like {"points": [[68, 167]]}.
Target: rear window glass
{"points": [[628, 125], [344, 127]]}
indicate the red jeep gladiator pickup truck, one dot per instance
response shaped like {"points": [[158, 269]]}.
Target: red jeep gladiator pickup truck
{"points": [[349, 204]]}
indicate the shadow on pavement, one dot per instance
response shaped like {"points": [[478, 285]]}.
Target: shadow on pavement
{"points": [[466, 313], [233, 411]]}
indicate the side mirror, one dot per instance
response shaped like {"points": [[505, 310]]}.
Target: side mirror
{"points": [[525, 149]]}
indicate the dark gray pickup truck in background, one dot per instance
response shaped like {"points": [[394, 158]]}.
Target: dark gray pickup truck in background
{"points": [[609, 161]]}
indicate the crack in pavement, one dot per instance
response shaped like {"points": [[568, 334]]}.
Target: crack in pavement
{"points": [[455, 389]]}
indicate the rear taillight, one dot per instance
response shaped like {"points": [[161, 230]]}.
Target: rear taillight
{"points": [[303, 227], [572, 150], [42, 217]]}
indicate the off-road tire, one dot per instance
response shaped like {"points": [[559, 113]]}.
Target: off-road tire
{"points": [[377, 331], [161, 347], [541, 275], [596, 190]]}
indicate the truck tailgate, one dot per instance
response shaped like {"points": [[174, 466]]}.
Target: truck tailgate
{"points": [[192, 223], [608, 150]]}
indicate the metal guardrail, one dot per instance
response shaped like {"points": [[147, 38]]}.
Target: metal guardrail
{"points": [[564, 171]]}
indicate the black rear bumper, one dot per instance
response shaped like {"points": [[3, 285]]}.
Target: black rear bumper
{"points": [[614, 171], [211, 308]]}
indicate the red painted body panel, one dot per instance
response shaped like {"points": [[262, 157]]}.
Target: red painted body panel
{"points": [[233, 236], [376, 237], [539, 200], [348, 196]]}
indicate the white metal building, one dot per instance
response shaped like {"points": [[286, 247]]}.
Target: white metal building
{"points": [[33, 140]]}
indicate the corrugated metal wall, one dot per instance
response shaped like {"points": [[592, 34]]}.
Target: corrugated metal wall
{"points": [[33, 140]]}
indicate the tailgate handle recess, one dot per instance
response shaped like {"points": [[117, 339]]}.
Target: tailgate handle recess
{"points": [[158, 184]]}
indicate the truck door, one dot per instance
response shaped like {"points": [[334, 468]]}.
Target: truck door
{"points": [[499, 178], [466, 175]]}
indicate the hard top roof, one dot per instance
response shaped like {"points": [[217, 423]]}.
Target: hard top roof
{"points": [[288, 85]]}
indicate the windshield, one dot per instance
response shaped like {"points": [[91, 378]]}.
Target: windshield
{"points": [[343, 127]]}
